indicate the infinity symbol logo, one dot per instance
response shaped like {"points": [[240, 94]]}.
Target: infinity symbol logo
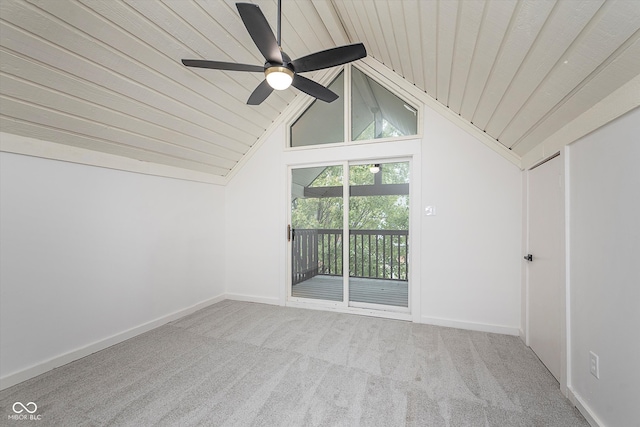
{"points": [[23, 407]]}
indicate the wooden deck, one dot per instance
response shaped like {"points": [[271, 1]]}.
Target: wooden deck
{"points": [[373, 291]]}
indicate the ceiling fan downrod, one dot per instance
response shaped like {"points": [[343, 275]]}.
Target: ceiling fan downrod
{"points": [[279, 23]]}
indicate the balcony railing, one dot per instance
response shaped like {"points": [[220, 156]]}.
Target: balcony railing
{"points": [[373, 254]]}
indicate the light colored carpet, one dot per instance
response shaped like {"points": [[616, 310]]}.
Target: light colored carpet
{"points": [[245, 364]]}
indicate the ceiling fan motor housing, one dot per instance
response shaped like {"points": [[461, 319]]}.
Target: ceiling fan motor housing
{"points": [[279, 76]]}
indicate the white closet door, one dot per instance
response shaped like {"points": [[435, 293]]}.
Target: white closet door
{"points": [[546, 283]]}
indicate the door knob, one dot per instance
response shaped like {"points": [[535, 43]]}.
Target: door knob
{"points": [[528, 257]]}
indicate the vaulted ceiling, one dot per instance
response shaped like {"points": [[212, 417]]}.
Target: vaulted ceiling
{"points": [[106, 75]]}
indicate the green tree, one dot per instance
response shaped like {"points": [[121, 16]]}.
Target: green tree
{"points": [[372, 255], [366, 212]]}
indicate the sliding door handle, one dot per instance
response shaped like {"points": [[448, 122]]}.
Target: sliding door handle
{"points": [[528, 257]]}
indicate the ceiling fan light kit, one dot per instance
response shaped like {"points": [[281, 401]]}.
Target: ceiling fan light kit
{"points": [[280, 72], [279, 77]]}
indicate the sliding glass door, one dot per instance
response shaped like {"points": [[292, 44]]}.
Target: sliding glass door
{"points": [[349, 234], [316, 234], [379, 234]]}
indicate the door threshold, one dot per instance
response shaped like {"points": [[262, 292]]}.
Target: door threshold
{"points": [[386, 312]]}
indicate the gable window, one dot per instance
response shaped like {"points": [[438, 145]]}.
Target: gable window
{"points": [[322, 122], [374, 112]]}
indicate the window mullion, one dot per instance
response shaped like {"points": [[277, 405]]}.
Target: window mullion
{"points": [[347, 103], [346, 242]]}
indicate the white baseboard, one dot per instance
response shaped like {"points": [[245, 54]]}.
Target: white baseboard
{"points": [[522, 336], [584, 409], [47, 365], [252, 298], [482, 327]]}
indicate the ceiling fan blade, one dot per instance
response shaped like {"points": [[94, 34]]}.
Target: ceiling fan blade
{"points": [[260, 93], [260, 31], [329, 58], [314, 89], [217, 65]]}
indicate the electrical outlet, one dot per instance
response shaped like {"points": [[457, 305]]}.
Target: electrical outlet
{"points": [[594, 364]]}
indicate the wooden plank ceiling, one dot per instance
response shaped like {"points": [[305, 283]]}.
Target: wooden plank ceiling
{"points": [[106, 75]]}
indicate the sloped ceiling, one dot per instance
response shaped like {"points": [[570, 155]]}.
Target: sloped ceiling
{"points": [[106, 75]]}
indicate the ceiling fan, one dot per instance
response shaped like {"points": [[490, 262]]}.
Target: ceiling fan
{"points": [[279, 70]]}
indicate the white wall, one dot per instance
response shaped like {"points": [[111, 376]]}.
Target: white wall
{"points": [[255, 233], [90, 256], [604, 274], [470, 260], [471, 249]]}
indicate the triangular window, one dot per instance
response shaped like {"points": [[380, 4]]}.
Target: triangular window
{"points": [[375, 113], [322, 122]]}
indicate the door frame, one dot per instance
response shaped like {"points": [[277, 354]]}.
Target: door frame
{"points": [[564, 261], [412, 312]]}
